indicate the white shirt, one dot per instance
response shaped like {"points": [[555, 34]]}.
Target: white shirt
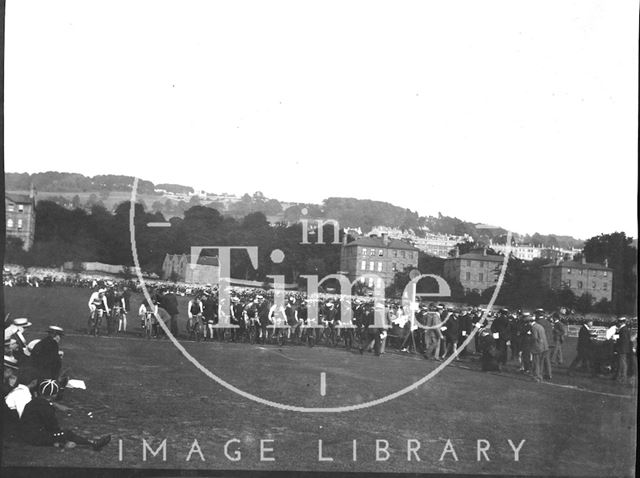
{"points": [[18, 398]]}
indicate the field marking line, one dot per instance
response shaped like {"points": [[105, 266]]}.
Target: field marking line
{"points": [[277, 352], [323, 384], [578, 389]]}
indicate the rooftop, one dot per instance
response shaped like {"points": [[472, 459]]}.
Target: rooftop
{"points": [[202, 260], [380, 243], [478, 256], [580, 265], [19, 198]]}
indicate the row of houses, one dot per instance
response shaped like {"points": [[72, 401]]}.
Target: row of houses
{"points": [[529, 252], [475, 271]]}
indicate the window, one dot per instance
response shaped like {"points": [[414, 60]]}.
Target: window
{"points": [[9, 223], [579, 284], [372, 252], [20, 208], [371, 265], [19, 223], [605, 273], [468, 276], [379, 266], [568, 271], [581, 272], [468, 263], [395, 253], [481, 277], [410, 255], [394, 267], [403, 254], [604, 286], [10, 208], [593, 285], [364, 251], [380, 252]]}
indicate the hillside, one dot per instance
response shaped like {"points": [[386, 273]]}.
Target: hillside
{"points": [[73, 190]]}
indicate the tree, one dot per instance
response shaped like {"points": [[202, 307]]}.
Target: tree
{"points": [[622, 258], [584, 303]]}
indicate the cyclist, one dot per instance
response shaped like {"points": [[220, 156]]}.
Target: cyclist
{"points": [[278, 320], [210, 313], [195, 312], [250, 314], [237, 319], [119, 309], [97, 301], [126, 302], [291, 312], [264, 309]]}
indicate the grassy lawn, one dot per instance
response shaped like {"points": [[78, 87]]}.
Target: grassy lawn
{"points": [[147, 390]]}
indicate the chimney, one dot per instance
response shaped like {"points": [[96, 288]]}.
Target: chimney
{"points": [[457, 252], [484, 251], [385, 238]]}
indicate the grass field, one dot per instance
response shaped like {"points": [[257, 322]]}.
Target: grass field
{"points": [[147, 390]]}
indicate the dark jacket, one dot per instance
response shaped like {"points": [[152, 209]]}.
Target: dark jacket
{"points": [[169, 302], [501, 326], [585, 339], [623, 344], [38, 424], [45, 359]]}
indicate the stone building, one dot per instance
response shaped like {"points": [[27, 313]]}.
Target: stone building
{"points": [[377, 255], [205, 271], [20, 214], [580, 277], [475, 271]]}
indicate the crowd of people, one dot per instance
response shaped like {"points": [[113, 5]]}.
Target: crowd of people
{"points": [[535, 340], [34, 382], [33, 385]]}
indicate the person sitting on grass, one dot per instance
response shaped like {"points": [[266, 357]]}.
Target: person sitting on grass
{"points": [[39, 426]]}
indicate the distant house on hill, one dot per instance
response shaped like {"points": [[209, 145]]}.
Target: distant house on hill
{"points": [[20, 214], [178, 267]]}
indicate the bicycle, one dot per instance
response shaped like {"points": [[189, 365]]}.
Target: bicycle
{"points": [[114, 319], [95, 320], [253, 330], [195, 328], [147, 325]]}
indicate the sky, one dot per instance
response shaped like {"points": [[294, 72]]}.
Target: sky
{"points": [[521, 114]]}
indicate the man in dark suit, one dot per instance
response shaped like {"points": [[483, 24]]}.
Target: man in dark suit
{"points": [[585, 348], [169, 302], [46, 357], [622, 348], [558, 335], [500, 326]]}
